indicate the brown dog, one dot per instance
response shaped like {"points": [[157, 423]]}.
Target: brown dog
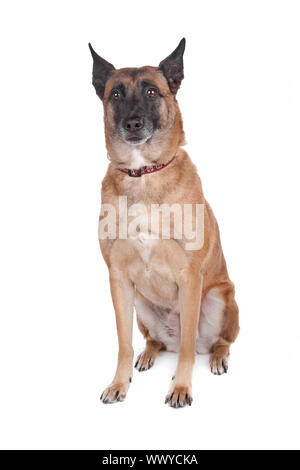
{"points": [[182, 294]]}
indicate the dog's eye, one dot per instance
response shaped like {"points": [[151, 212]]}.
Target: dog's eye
{"points": [[151, 92], [115, 94]]}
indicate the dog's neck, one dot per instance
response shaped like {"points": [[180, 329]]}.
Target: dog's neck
{"points": [[137, 159]]}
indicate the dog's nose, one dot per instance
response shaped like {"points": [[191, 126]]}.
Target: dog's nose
{"points": [[133, 124]]}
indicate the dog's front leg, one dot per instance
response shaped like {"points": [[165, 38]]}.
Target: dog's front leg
{"points": [[122, 291], [190, 291]]}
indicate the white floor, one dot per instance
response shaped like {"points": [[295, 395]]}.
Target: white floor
{"points": [[50, 397]]}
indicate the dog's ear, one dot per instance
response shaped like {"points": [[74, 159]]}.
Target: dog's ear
{"points": [[172, 67], [101, 71]]}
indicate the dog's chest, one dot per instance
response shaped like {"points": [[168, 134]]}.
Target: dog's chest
{"points": [[148, 268]]}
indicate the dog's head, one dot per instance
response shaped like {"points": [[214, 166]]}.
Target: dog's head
{"points": [[140, 106]]}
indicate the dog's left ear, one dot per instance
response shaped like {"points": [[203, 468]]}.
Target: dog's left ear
{"points": [[172, 67], [101, 71]]}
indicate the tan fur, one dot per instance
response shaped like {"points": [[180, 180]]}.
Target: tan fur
{"points": [[146, 359], [176, 278]]}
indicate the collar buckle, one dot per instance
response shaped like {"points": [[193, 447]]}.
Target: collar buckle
{"points": [[135, 173]]}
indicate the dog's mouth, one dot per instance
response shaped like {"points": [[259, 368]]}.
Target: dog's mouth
{"points": [[136, 139]]}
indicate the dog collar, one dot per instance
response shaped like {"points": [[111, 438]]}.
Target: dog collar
{"points": [[145, 170]]}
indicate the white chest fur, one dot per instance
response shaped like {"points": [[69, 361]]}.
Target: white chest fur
{"points": [[148, 270], [137, 159], [144, 245], [139, 232]]}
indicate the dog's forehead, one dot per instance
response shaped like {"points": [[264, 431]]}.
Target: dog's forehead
{"points": [[132, 77]]}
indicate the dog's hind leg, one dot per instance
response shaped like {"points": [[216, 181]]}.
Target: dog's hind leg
{"points": [[147, 358], [229, 331]]}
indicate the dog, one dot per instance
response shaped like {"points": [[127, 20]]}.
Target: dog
{"points": [[183, 298]]}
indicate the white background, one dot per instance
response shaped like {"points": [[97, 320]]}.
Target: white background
{"points": [[241, 107]]}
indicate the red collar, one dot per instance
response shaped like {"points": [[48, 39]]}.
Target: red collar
{"points": [[145, 170]]}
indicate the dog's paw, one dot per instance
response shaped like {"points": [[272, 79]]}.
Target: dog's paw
{"points": [[144, 361], [218, 364], [114, 393], [179, 396]]}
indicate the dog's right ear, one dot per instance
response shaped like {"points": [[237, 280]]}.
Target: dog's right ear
{"points": [[101, 71]]}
